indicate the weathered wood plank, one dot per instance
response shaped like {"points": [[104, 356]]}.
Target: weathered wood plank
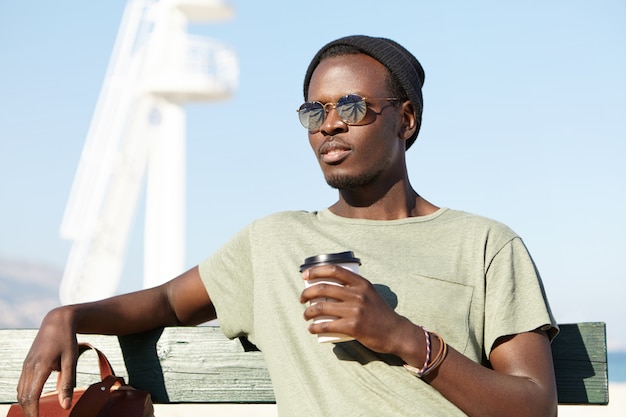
{"points": [[580, 362], [187, 364], [199, 364]]}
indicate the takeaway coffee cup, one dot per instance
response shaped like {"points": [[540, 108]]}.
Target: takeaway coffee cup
{"points": [[344, 259]]}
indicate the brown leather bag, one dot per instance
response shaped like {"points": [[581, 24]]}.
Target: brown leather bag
{"points": [[110, 397]]}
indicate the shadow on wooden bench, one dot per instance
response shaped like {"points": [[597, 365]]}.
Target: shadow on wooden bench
{"points": [[200, 365]]}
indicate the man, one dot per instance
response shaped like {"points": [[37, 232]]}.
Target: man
{"points": [[448, 311]]}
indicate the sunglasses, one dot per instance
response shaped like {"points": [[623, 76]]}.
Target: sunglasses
{"points": [[351, 108]]}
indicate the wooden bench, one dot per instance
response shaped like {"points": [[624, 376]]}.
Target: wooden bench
{"points": [[200, 365]]}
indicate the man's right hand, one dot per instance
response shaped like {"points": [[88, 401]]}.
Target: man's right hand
{"points": [[54, 349]]}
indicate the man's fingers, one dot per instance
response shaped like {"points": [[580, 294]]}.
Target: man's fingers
{"points": [[325, 290], [337, 272], [29, 390], [65, 397], [29, 404], [67, 380]]}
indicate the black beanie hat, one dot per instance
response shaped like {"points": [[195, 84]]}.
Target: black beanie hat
{"points": [[398, 60]]}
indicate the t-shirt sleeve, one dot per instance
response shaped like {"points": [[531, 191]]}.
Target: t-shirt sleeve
{"points": [[228, 278], [515, 297]]}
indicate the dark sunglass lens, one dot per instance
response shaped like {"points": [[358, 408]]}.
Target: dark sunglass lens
{"points": [[311, 115], [351, 108]]}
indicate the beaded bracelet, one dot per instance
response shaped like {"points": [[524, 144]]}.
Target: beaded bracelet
{"points": [[436, 361], [441, 355], [414, 370]]}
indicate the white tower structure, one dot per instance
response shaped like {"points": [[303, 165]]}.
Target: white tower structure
{"points": [[138, 128]]}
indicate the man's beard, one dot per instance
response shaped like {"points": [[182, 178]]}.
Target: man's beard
{"points": [[344, 182]]}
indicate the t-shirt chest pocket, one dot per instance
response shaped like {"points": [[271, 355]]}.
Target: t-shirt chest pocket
{"points": [[440, 306]]}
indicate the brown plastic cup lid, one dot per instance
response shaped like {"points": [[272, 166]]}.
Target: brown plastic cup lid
{"points": [[330, 258]]}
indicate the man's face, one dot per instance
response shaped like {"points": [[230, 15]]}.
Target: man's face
{"points": [[353, 156]]}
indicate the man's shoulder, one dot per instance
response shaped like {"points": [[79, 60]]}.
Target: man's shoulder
{"points": [[477, 222]]}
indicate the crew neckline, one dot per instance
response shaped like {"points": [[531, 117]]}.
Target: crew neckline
{"points": [[327, 215]]}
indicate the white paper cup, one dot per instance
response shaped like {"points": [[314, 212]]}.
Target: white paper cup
{"points": [[343, 259]]}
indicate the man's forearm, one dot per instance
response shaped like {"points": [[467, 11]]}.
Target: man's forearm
{"points": [[522, 389], [124, 314], [181, 301]]}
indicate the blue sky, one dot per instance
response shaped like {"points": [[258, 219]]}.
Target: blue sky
{"points": [[524, 122]]}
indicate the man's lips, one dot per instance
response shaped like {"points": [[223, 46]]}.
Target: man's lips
{"points": [[334, 152]]}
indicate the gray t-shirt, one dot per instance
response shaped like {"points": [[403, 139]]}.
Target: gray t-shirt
{"points": [[467, 278]]}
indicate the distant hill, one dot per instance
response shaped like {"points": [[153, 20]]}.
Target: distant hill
{"points": [[27, 292]]}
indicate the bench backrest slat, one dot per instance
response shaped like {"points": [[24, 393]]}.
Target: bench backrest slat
{"points": [[580, 361], [199, 364]]}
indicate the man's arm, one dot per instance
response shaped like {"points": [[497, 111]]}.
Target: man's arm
{"points": [[181, 301], [521, 382]]}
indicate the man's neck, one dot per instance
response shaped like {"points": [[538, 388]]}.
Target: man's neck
{"points": [[398, 202]]}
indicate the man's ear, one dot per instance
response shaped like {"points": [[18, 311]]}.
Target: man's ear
{"points": [[408, 125]]}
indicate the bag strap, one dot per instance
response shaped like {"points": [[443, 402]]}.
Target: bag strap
{"points": [[103, 362], [104, 365], [95, 397]]}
